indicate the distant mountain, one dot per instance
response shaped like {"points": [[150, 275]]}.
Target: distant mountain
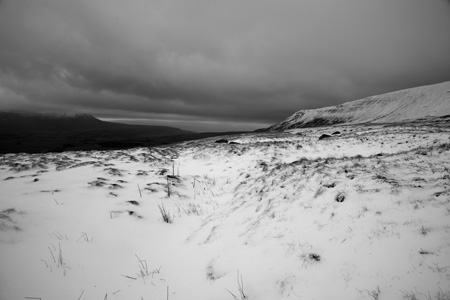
{"points": [[34, 133], [17, 122], [399, 106]]}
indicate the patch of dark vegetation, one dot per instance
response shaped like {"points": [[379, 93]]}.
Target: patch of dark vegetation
{"points": [[97, 183], [162, 172], [314, 257], [264, 166], [384, 179], [50, 191], [329, 185], [134, 214], [324, 136], [113, 171], [422, 152], [221, 141], [115, 186], [340, 197]]}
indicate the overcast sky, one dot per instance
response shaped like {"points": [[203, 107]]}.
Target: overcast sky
{"points": [[215, 64]]}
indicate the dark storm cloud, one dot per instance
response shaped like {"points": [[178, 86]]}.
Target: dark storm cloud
{"points": [[248, 61]]}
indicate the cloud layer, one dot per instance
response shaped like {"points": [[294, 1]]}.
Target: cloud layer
{"points": [[225, 61]]}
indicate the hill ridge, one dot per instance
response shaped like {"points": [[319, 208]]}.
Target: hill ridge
{"points": [[407, 104]]}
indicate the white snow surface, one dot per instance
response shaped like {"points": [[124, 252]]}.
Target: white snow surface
{"points": [[261, 216], [410, 104]]}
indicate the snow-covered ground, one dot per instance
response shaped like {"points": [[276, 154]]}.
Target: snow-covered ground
{"points": [[362, 214]]}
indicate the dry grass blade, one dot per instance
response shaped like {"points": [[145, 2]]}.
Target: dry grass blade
{"points": [[167, 218], [81, 295], [242, 295]]}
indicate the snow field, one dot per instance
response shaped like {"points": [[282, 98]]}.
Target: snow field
{"points": [[363, 214]]}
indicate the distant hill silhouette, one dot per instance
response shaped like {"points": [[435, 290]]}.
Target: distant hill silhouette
{"points": [[12, 121], [34, 133]]}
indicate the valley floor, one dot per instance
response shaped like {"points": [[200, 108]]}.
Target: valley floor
{"points": [[362, 213]]}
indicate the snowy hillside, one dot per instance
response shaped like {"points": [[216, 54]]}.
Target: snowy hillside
{"points": [[410, 104], [362, 214]]}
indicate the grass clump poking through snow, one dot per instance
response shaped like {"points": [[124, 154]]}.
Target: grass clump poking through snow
{"points": [[242, 295], [58, 259], [165, 214], [440, 295], [190, 208]]}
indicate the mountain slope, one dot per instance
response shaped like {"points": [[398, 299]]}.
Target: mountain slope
{"points": [[409, 104]]}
